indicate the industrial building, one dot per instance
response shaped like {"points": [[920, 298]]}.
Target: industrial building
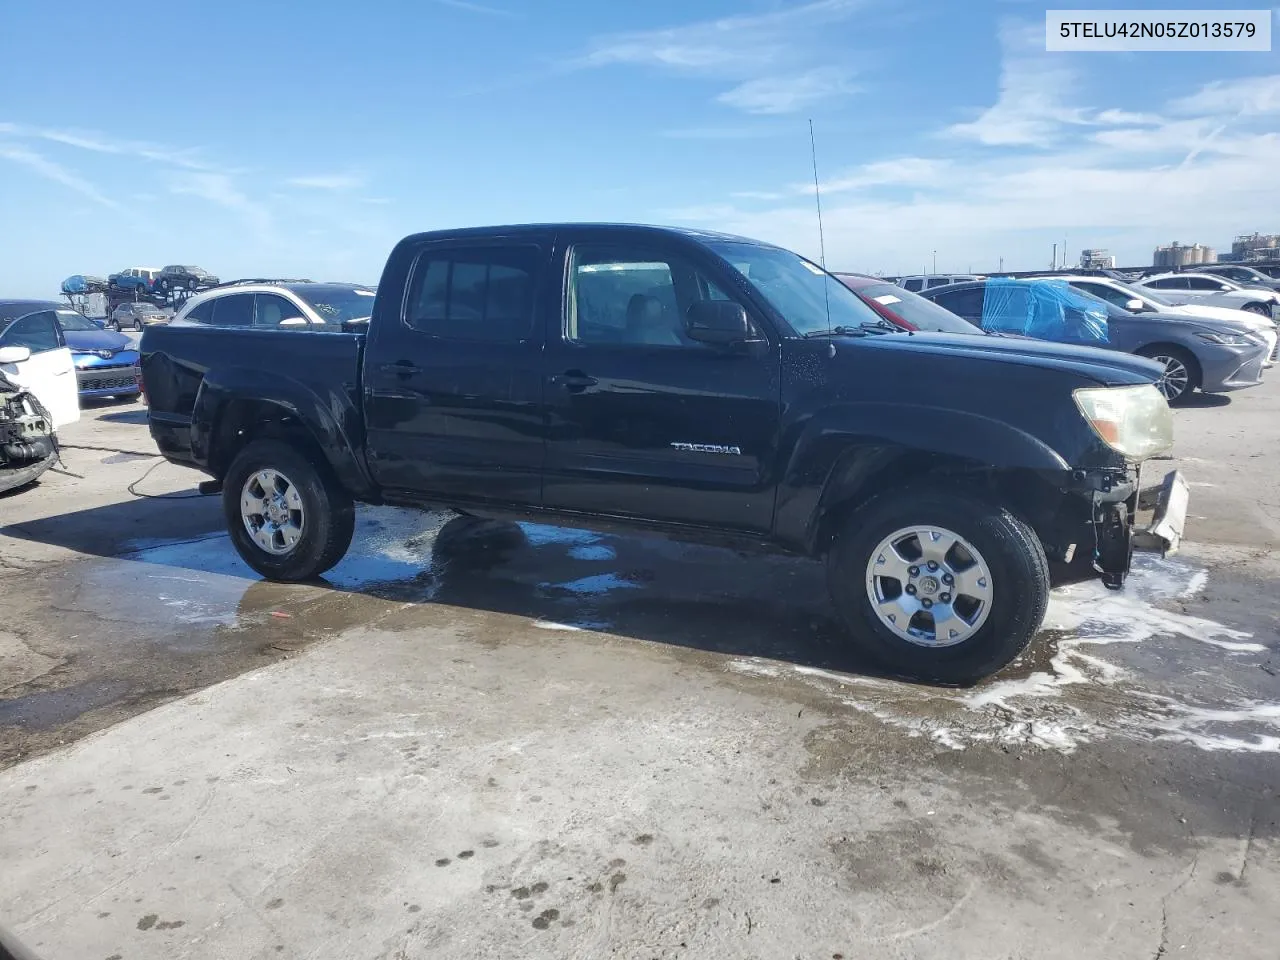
{"points": [[1096, 260], [1177, 255]]}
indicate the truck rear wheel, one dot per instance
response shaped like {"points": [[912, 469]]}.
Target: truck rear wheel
{"points": [[288, 517], [939, 586]]}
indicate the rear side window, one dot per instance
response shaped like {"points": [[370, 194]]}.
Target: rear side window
{"points": [[235, 310], [1203, 283], [475, 293], [915, 284], [938, 282], [201, 312], [965, 303], [38, 332]]}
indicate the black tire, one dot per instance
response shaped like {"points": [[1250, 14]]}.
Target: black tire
{"points": [[137, 325], [163, 284], [1261, 309], [192, 284], [1185, 357], [1013, 554], [328, 512]]}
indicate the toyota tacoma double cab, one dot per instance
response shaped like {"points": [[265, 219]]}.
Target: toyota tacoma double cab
{"points": [[694, 385]]}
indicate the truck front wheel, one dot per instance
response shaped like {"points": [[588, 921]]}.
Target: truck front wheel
{"points": [[939, 586], [288, 517]]}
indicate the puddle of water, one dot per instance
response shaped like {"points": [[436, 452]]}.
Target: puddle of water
{"points": [[51, 708]]}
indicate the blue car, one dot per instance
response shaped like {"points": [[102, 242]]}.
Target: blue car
{"points": [[106, 361]]}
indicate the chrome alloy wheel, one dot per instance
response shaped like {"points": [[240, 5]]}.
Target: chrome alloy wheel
{"points": [[929, 586], [1176, 378], [271, 508]]}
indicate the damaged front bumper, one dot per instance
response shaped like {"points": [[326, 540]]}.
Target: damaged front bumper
{"points": [[1169, 518], [1106, 515], [1148, 519]]}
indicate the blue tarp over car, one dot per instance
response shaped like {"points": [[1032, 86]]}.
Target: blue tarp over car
{"points": [[1044, 309], [79, 283]]}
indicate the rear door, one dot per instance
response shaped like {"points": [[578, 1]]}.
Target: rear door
{"points": [[49, 373], [453, 374], [644, 422]]}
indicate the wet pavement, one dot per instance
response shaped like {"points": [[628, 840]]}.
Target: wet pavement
{"points": [[563, 695]]}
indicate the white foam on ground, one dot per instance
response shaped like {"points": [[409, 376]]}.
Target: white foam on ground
{"points": [[588, 552], [600, 583], [1040, 710], [540, 534]]}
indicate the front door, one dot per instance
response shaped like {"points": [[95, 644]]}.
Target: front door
{"points": [[453, 400], [643, 421], [49, 372]]}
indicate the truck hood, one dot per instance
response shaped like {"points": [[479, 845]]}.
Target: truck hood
{"points": [[1108, 367]]}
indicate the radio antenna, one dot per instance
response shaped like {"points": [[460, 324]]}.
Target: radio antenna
{"points": [[817, 197], [822, 242]]}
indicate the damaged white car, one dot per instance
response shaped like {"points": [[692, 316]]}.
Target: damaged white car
{"points": [[37, 395]]}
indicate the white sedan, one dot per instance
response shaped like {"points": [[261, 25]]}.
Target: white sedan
{"points": [[1216, 291]]}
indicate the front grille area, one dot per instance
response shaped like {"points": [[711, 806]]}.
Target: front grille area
{"points": [[109, 378]]}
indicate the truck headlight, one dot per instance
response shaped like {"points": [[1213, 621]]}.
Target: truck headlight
{"points": [[1134, 421]]}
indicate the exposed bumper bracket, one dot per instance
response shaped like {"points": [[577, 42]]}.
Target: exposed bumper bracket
{"points": [[1170, 520]]}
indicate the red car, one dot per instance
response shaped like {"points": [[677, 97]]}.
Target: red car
{"points": [[903, 308]]}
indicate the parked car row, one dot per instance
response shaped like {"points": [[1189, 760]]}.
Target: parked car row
{"points": [[1208, 348]]}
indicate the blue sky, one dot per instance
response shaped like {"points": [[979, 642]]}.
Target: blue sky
{"points": [[253, 139]]}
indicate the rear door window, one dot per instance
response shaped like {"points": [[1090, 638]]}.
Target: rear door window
{"points": [[1205, 283], [234, 310], [482, 293], [965, 303]]}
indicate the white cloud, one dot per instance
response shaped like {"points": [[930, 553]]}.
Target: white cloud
{"points": [[1246, 97], [328, 181], [1030, 109], [774, 60], [49, 170], [1123, 179], [221, 190], [788, 94], [476, 8], [100, 143]]}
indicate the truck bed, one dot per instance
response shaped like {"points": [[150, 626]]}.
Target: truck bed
{"points": [[188, 371]]}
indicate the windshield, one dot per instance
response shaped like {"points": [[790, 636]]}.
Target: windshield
{"points": [[920, 313], [71, 320], [799, 290], [337, 304]]}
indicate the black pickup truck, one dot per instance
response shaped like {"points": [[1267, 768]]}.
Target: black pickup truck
{"points": [[696, 385]]}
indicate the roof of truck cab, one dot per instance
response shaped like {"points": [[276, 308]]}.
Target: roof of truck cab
{"points": [[640, 229]]}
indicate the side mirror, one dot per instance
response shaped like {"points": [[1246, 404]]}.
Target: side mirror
{"points": [[1135, 305], [14, 354], [718, 322]]}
